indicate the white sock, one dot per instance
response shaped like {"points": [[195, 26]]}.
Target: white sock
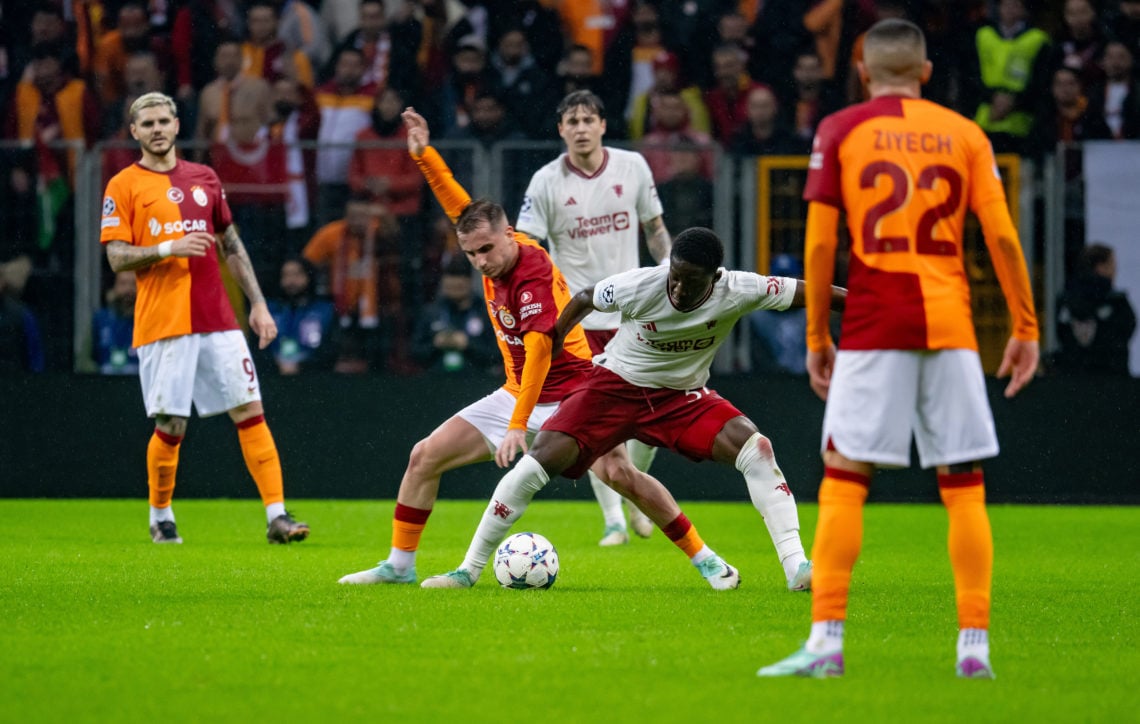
{"points": [[702, 555], [826, 637], [773, 498], [274, 510], [610, 502], [974, 642], [508, 502], [160, 514], [641, 454], [401, 560]]}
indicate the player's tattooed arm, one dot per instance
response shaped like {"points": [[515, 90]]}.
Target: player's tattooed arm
{"points": [[237, 258], [657, 238], [128, 257]]}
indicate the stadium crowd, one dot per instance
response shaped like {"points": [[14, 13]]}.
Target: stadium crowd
{"points": [[681, 79]]}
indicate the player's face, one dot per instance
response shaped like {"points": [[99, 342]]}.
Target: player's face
{"points": [[155, 129], [582, 130], [491, 250], [689, 285]]}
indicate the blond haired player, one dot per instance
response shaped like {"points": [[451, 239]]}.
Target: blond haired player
{"points": [[904, 170], [589, 204], [524, 292], [167, 219]]}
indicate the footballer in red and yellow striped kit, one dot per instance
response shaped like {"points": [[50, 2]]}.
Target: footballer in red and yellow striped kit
{"points": [[907, 371], [167, 220], [145, 208]]}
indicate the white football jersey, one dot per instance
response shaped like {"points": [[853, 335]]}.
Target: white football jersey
{"points": [[658, 346], [591, 222]]}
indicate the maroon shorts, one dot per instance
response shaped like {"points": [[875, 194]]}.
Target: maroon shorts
{"points": [[606, 410], [598, 339]]}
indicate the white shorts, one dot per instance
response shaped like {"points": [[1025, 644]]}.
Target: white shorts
{"points": [[879, 398], [214, 371], [492, 414]]}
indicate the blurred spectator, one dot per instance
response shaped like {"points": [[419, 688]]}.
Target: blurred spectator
{"points": [[1126, 25], [388, 52], [489, 122], [1094, 321], [687, 197], [1008, 74], [132, 34], [345, 103], [229, 90], [296, 119], [265, 55], [1080, 43], [779, 337], [629, 65], [673, 135], [540, 24], [306, 324], [526, 89], [727, 100], [113, 326], [452, 334], [1117, 97], [198, 28], [251, 168], [141, 74], [469, 77], [388, 176], [1068, 118], [49, 109], [778, 37], [359, 257], [764, 134], [593, 24], [811, 98], [301, 28], [575, 72], [667, 79], [691, 26], [21, 345]]}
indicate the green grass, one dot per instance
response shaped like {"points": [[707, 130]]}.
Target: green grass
{"points": [[101, 625]]}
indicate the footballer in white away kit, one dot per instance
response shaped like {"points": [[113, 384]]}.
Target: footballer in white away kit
{"points": [[649, 384], [589, 205]]}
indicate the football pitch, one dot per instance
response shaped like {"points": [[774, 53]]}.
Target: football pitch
{"points": [[101, 625]]}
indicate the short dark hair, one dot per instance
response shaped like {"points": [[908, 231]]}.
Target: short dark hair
{"points": [[477, 212], [582, 98], [700, 246], [894, 30], [1093, 256]]}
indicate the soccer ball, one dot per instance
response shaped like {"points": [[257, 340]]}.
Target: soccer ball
{"points": [[526, 560]]}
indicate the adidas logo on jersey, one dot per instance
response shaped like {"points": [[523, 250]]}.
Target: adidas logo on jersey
{"points": [[571, 202]]}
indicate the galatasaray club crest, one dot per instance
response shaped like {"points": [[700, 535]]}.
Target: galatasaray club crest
{"points": [[506, 318], [199, 195], [175, 194]]}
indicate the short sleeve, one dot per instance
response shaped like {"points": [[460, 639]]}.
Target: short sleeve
{"points": [[756, 291], [823, 180], [606, 294], [115, 222], [648, 204], [532, 218], [223, 217]]}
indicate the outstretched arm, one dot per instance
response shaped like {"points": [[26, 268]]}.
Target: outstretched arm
{"points": [[237, 259], [577, 309], [838, 297], [450, 194]]}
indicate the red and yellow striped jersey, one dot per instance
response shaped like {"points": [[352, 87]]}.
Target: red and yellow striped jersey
{"points": [[176, 296], [905, 170]]}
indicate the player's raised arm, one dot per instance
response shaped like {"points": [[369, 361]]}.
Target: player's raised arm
{"points": [[450, 194]]}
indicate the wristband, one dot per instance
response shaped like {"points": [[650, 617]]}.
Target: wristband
{"points": [[165, 249]]}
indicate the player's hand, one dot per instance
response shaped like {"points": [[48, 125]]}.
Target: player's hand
{"points": [[196, 243], [1020, 363], [819, 367], [262, 324], [418, 134], [513, 442]]}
